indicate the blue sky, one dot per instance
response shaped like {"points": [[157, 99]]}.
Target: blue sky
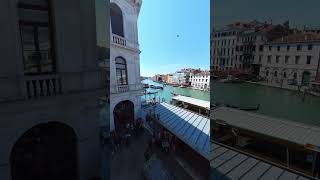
{"points": [[159, 24]]}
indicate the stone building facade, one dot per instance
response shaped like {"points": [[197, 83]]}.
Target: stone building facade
{"points": [[125, 83], [291, 61], [50, 82]]}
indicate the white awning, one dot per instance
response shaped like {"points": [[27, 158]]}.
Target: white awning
{"points": [[194, 101]]}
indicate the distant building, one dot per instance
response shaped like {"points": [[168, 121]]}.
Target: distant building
{"points": [[239, 46], [223, 48], [200, 80], [170, 78], [179, 77], [291, 61]]}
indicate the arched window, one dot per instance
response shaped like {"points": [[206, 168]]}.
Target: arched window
{"points": [[121, 71], [116, 20], [284, 75], [267, 73], [36, 36], [275, 73]]}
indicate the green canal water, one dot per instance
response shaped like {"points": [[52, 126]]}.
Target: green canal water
{"points": [[273, 102], [166, 95]]}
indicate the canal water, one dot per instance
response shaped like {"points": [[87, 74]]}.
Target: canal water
{"points": [[275, 102], [166, 95]]}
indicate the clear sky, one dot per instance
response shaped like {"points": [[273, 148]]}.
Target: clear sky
{"points": [[159, 24], [298, 12]]}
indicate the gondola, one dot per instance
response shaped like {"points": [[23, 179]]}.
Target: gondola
{"points": [[243, 108]]}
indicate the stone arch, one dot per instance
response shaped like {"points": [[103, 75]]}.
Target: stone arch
{"points": [[123, 115], [45, 151]]}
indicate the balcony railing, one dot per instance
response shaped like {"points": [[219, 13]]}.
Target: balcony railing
{"points": [[42, 85], [125, 88], [119, 40], [123, 42]]}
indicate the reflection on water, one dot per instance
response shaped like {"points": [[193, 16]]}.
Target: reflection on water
{"points": [[274, 101]]}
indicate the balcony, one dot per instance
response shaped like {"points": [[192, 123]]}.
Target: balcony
{"points": [[42, 85], [123, 42], [116, 89]]}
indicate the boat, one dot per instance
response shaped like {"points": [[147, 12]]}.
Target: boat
{"points": [[175, 85], [151, 92], [173, 93], [215, 77], [257, 107], [156, 87], [231, 79], [251, 108]]}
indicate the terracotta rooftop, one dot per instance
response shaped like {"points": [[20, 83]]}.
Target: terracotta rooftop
{"points": [[298, 37]]}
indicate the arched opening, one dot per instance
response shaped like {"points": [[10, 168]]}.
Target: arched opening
{"points": [[123, 115], [121, 71], [116, 20], [267, 73], [305, 78], [46, 151]]}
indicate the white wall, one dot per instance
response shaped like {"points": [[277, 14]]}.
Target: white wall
{"points": [[132, 56]]}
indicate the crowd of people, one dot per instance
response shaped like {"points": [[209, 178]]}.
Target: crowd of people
{"points": [[123, 136]]}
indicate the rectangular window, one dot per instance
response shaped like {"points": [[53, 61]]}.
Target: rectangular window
{"points": [[278, 48], [269, 59], [36, 37], [261, 48], [286, 59], [309, 59], [277, 59], [298, 47], [288, 47], [270, 47], [260, 58], [310, 47], [297, 59]]}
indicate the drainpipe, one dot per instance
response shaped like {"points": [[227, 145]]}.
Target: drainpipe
{"points": [[288, 158], [314, 162], [317, 73]]}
